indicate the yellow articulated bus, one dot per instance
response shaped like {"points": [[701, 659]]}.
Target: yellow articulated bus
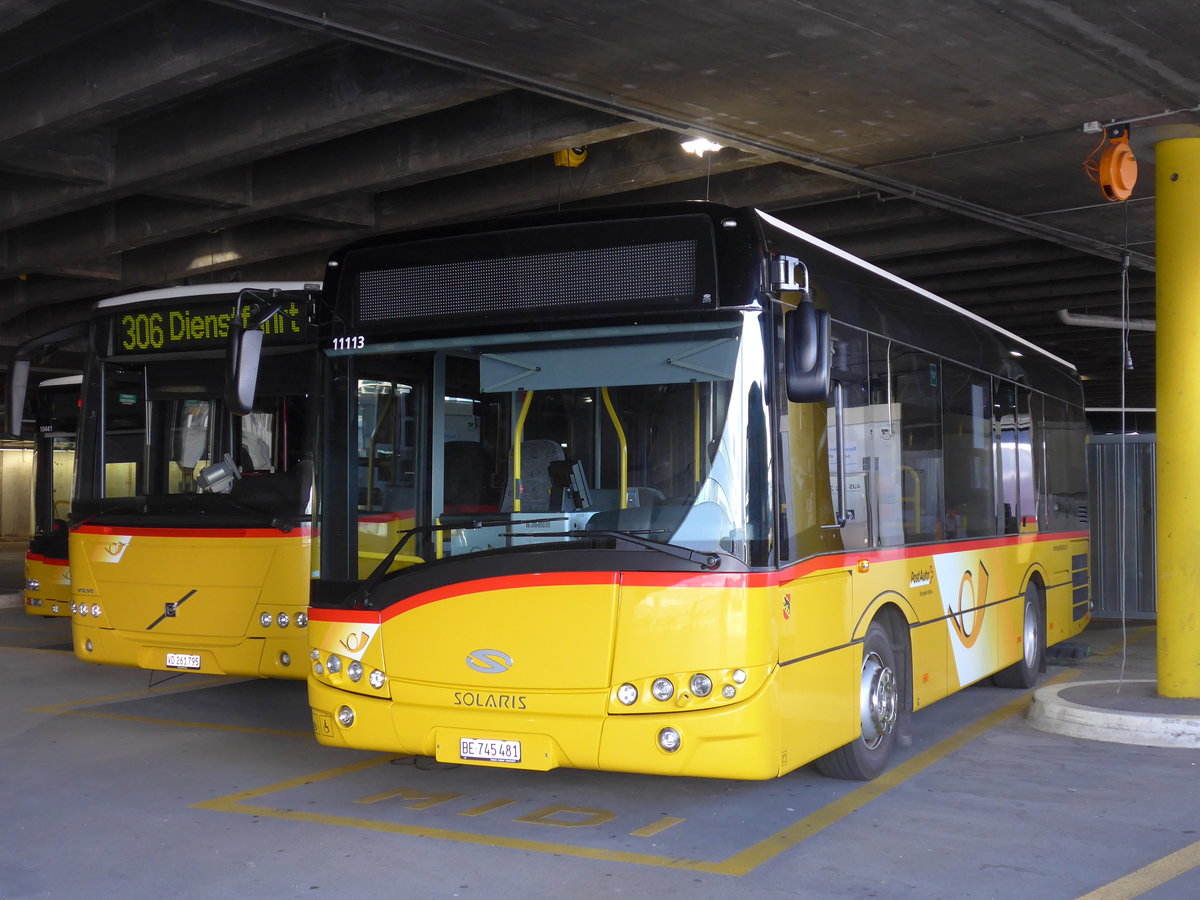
{"points": [[54, 403], [691, 492], [190, 543]]}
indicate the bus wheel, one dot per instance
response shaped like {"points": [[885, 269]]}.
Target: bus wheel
{"points": [[1024, 672], [878, 710]]}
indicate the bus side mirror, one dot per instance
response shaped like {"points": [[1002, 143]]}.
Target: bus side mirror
{"points": [[18, 384], [807, 348], [244, 353], [241, 374]]}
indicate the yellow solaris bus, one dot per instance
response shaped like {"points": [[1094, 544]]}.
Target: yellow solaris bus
{"points": [[190, 544], [691, 492]]}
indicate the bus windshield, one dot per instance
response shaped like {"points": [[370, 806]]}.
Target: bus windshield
{"points": [[552, 438], [169, 442]]}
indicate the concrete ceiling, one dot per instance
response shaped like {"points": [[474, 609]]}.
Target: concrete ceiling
{"points": [[174, 141]]}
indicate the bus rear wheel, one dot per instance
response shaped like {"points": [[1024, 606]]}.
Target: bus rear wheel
{"points": [[1023, 673], [879, 701]]}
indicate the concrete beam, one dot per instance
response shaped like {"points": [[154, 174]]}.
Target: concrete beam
{"points": [[332, 181], [171, 50], [348, 91]]}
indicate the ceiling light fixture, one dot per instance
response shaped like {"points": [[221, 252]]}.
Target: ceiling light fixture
{"points": [[699, 146]]}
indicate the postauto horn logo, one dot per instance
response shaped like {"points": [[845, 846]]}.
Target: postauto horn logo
{"points": [[489, 662]]}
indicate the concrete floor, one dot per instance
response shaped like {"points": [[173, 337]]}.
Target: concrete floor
{"points": [[212, 787]]}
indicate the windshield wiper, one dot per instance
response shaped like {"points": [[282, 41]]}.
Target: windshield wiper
{"points": [[705, 560], [358, 599]]}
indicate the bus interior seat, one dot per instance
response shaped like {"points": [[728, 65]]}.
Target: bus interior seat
{"points": [[536, 456], [467, 480]]}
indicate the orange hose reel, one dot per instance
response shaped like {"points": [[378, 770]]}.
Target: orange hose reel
{"points": [[1116, 170]]}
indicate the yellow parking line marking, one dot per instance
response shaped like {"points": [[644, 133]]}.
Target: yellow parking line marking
{"points": [[183, 723], [657, 827], [66, 705], [737, 865], [487, 807], [752, 857], [1149, 877]]}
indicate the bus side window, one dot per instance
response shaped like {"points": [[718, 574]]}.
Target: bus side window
{"points": [[967, 441], [907, 427]]}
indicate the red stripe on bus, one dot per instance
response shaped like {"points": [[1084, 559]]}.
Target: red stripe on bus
{"points": [[708, 580], [138, 531], [46, 560]]}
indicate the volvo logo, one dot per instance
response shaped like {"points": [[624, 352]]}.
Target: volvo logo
{"points": [[489, 662]]}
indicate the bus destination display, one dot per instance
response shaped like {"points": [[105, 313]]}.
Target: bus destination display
{"points": [[199, 327]]}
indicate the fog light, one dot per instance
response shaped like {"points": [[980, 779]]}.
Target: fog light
{"points": [[701, 685], [627, 694], [95, 610], [318, 668], [669, 739], [354, 670], [88, 646], [32, 584], [265, 620], [334, 663], [301, 620], [314, 654], [283, 619], [662, 689], [83, 610], [345, 715], [739, 676], [285, 658], [376, 679], [729, 692]]}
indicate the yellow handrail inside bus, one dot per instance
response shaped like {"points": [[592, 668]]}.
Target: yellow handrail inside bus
{"points": [[518, 433], [612, 414]]}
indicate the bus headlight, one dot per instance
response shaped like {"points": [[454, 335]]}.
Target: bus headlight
{"points": [[314, 654], [333, 664], [669, 740], [701, 685], [95, 610], [301, 620], [283, 619], [662, 689], [32, 584], [345, 716], [376, 679], [739, 676], [83, 610], [627, 694], [354, 670], [265, 620]]}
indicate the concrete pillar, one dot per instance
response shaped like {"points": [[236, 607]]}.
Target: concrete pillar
{"points": [[1177, 192]]}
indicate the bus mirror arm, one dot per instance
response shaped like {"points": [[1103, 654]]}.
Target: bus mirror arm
{"points": [[808, 353], [839, 430]]}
